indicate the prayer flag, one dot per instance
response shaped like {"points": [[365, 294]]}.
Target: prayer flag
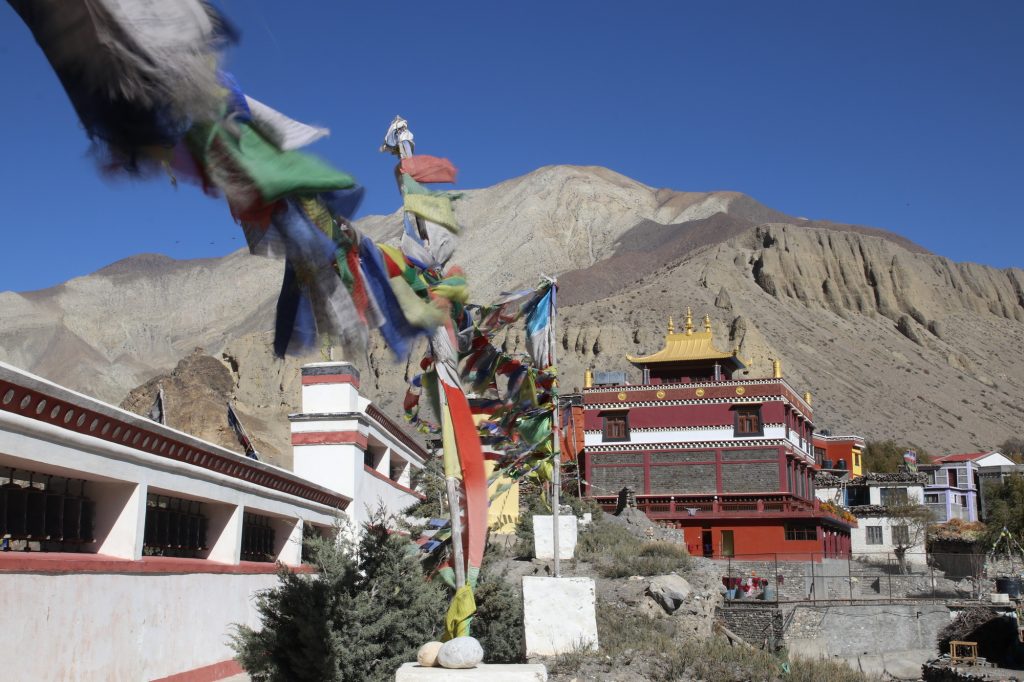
{"points": [[156, 413], [239, 430]]}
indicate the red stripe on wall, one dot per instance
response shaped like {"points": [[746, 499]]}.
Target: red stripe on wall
{"points": [[330, 379], [329, 438], [66, 562], [208, 673]]}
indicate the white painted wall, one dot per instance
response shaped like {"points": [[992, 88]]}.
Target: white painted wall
{"points": [[114, 627], [373, 492], [860, 548], [687, 435]]}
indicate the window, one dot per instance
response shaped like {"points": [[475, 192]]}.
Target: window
{"points": [[857, 495], [257, 538], [931, 498], [856, 458], [901, 536], [874, 535], [893, 496], [953, 478], [174, 527], [801, 533], [615, 426], [748, 421], [819, 455], [964, 501]]}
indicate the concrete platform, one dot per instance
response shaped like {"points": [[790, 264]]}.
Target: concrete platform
{"points": [[498, 672]]}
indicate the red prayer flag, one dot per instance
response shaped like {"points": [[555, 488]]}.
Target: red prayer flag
{"points": [[424, 168]]}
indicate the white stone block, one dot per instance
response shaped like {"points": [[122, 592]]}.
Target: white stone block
{"points": [[559, 615], [412, 672], [543, 540]]}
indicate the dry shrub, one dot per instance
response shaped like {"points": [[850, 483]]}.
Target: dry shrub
{"points": [[626, 634], [616, 553]]}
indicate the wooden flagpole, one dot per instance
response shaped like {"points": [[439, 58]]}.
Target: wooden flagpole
{"points": [[405, 150]]}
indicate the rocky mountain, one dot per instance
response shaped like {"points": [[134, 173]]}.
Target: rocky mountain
{"points": [[892, 341]]}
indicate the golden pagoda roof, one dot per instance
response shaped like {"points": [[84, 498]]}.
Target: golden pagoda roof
{"points": [[687, 346]]}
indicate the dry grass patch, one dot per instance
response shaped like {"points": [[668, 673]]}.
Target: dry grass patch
{"points": [[616, 553]]}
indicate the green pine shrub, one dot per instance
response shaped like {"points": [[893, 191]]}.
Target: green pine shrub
{"points": [[367, 611]]}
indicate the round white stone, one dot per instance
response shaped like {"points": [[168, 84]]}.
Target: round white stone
{"points": [[461, 652], [427, 655]]}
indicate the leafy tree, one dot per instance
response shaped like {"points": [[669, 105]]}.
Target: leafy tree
{"points": [[430, 481], [498, 622], [886, 456], [1005, 504], [1014, 449], [367, 611], [916, 518]]}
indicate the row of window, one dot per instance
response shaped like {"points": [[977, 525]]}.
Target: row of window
{"points": [[45, 513], [178, 528], [801, 533], [746, 423], [900, 535]]}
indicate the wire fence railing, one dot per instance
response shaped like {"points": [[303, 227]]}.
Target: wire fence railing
{"points": [[883, 577]]}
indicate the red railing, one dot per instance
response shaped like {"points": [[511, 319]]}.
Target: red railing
{"points": [[664, 506]]}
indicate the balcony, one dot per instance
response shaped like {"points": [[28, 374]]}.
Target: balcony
{"points": [[725, 506]]}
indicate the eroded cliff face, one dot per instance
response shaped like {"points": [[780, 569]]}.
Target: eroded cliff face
{"points": [[892, 341]]}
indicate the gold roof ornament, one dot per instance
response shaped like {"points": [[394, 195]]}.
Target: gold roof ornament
{"points": [[807, 397], [588, 378], [687, 346], [671, 325], [776, 369]]}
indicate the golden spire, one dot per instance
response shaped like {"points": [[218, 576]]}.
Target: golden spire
{"points": [[671, 325], [707, 323], [588, 378], [689, 321], [807, 397], [777, 369]]}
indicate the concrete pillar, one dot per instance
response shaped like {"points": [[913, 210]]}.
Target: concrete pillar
{"points": [[223, 533], [288, 541], [327, 442], [120, 521], [330, 387]]}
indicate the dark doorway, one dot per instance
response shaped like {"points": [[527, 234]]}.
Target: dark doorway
{"points": [[706, 539]]}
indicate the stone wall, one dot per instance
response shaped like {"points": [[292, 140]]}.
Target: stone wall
{"points": [[759, 624], [610, 479], [876, 638], [865, 628], [690, 478], [750, 478], [801, 580]]}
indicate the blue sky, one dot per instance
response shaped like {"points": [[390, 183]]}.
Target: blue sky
{"points": [[903, 115]]}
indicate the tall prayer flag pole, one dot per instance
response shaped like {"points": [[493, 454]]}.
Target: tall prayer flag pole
{"points": [[556, 433], [405, 150]]}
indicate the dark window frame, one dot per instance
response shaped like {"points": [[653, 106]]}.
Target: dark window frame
{"points": [[901, 535], [744, 412], [795, 532], [892, 496], [868, 531], [608, 418]]}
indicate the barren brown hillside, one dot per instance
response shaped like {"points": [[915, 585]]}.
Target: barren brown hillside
{"points": [[891, 340]]}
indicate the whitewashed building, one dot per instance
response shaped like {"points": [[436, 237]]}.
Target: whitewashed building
{"points": [[128, 549], [869, 497]]}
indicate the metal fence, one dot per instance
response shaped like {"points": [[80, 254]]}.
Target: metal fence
{"points": [[880, 577]]}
